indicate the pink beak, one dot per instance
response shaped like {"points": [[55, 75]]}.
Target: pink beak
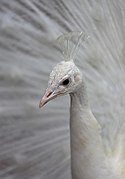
{"points": [[49, 95]]}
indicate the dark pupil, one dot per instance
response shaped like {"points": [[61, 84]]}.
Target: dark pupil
{"points": [[65, 82]]}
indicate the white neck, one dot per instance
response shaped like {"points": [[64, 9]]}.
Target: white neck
{"points": [[88, 160]]}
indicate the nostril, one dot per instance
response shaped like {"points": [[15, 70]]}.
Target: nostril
{"points": [[49, 93]]}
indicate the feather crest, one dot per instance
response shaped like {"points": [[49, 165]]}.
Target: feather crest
{"points": [[70, 44]]}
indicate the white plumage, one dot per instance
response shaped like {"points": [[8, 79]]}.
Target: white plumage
{"points": [[35, 144], [89, 159]]}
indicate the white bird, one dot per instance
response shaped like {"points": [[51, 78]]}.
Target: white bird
{"points": [[89, 160], [35, 144]]}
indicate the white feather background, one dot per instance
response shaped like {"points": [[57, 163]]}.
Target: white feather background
{"points": [[34, 143]]}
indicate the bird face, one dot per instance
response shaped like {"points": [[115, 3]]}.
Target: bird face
{"points": [[64, 79]]}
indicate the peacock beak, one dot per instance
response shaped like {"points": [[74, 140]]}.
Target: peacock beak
{"points": [[49, 95]]}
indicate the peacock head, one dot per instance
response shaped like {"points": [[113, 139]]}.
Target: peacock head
{"points": [[65, 78]]}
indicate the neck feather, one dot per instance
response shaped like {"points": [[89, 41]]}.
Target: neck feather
{"points": [[79, 98], [82, 120], [86, 142]]}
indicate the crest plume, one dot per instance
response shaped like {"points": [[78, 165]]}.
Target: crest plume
{"points": [[70, 43]]}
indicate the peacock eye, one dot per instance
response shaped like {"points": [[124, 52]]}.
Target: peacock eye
{"points": [[65, 82]]}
